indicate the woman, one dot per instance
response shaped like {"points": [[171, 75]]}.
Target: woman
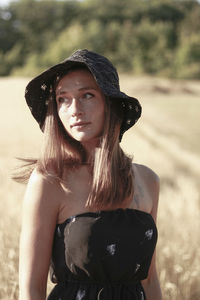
{"points": [[88, 211]]}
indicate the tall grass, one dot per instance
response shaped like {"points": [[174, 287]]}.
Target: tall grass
{"points": [[166, 139]]}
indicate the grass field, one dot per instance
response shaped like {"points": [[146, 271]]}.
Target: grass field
{"points": [[166, 139]]}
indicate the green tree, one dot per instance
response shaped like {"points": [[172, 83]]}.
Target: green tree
{"points": [[148, 36], [9, 34]]}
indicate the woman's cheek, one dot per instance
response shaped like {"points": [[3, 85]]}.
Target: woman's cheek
{"points": [[64, 118]]}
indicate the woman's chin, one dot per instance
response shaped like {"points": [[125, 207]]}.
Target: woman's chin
{"points": [[85, 139], [82, 138]]}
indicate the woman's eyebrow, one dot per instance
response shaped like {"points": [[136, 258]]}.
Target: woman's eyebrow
{"points": [[80, 89], [61, 93], [88, 88]]}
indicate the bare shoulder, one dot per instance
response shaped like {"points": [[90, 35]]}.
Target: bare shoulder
{"points": [[39, 217], [38, 178], [149, 184], [49, 183], [146, 173], [42, 185], [41, 195]]}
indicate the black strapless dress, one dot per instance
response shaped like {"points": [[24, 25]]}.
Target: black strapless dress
{"points": [[102, 255]]}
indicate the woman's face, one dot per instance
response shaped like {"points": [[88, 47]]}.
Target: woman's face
{"points": [[81, 106]]}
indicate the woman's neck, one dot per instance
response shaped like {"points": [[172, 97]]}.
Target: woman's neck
{"points": [[90, 148]]}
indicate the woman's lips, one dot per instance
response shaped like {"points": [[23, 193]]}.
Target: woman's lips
{"points": [[80, 124]]}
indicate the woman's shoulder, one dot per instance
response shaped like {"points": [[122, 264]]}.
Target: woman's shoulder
{"points": [[40, 178], [146, 173], [41, 187], [147, 186], [148, 182], [39, 215]]}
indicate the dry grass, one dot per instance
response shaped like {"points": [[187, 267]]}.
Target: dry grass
{"points": [[166, 139]]}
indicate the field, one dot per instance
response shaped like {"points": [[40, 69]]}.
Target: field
{"points": [[166, 139]]}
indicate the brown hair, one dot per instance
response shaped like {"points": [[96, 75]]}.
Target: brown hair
{"points": [[111, 168]]}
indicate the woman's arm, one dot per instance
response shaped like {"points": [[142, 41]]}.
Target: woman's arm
{"points": [[40, 210], [151, 284]]}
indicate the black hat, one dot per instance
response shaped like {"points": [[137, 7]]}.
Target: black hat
{"points": [[38, 89]]}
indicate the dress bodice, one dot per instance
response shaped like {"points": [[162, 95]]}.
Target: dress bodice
{"points": [[103, 254]]}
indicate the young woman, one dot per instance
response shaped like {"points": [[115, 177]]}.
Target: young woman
{"points": [[89, 213]]}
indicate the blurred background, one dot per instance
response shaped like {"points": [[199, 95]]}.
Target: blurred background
{"points": [[159, 37], [155, 45]]}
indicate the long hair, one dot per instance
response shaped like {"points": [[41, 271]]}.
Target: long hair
{"points": [[111, 169]]}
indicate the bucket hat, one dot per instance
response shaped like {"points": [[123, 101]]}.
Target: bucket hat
{"points": [[38, 89]]}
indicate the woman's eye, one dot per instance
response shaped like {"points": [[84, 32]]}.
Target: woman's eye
{"points": [[62, 100], [87, 96]]}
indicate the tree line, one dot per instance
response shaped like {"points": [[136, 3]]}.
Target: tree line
{"points": [[159, 37]]}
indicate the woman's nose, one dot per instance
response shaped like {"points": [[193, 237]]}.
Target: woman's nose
{"points": [[76, 109]]}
